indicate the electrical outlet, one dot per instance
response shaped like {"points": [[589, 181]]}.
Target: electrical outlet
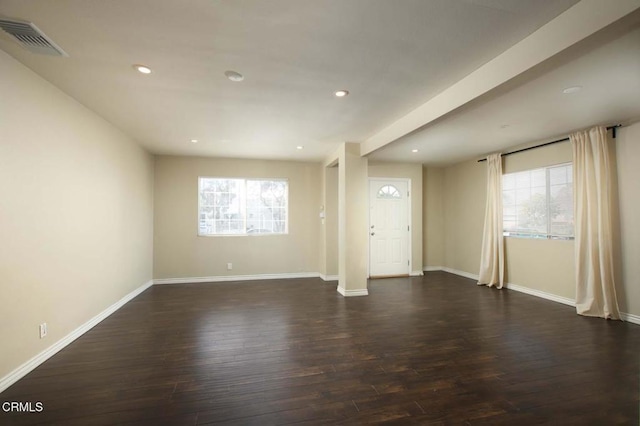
{"points": [[43, 330], [229, 266]]}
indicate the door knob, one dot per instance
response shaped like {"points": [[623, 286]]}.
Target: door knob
{"points": [[373, 226], [373, 233]]}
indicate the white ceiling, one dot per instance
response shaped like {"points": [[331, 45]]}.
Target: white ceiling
{"points": [[534, 108], [391, 55]]}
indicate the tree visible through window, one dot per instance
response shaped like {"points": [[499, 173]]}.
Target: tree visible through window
{"points": [[242, 206], [539, 203]]}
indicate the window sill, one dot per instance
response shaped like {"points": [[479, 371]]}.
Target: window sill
{"points": [[539, 237], [243, 235]]}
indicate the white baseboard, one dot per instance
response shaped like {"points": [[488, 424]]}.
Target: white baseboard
{"points": [[451, 271], [329, 277], [416, 274], [216, 279], [542, 294], [34, 362], [518, 288], [635, 319], [461, 273], [349, 293]]}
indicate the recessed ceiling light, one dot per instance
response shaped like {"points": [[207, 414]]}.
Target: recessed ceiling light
{"points": [[572, 89], [342, 93], [414, 150], [194, 140], [142, 69], [234, 75], [299, 147]]}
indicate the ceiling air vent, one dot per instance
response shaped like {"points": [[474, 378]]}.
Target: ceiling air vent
{"points": [[30, 37]]}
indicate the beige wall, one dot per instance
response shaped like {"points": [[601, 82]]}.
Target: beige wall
{"points": [[76, 219], [329, 257], [180, 253], [543, 265], [413, 172], [628, 155], [433, 238], [322, 237], [464, 202]]}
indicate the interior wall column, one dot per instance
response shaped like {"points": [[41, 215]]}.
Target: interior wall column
{"points": [[353, 230]]}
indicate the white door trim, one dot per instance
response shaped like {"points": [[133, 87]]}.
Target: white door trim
{"points": [[409, 216]]}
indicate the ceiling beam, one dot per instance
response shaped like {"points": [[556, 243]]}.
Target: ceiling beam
{"points": [[577, 23]]}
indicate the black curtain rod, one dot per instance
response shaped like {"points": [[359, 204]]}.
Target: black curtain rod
{"points": [[550, 143]]}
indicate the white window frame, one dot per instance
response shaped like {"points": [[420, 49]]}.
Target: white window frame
{"points": [[243, 204], [539, 235]]}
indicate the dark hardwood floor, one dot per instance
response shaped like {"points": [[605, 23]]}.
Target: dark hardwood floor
{"points": [[428, 350]]}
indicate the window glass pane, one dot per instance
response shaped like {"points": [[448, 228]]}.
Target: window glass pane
{"points": [[267, 202], [509, 197], [508, 181], [242, 206], [561, 201], [539, 177], [523, 179], [389, 191], [557, 175], [220, 205], [280, 226], [536, 208], [539, 191], [523, 195]]}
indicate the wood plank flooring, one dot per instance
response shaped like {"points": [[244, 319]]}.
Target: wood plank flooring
{"points": [[426, 350]]}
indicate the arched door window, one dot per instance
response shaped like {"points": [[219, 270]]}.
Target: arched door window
{"points": [[389, 191]]}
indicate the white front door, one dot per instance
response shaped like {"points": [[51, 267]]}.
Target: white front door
{"points": [[388, 227]]}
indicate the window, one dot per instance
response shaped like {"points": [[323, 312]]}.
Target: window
{"points": [[242, 206], [539, 203], [389, 191]]}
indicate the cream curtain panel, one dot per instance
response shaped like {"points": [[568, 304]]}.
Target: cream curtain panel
{"points": [[492, 259], [592, 205]]}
